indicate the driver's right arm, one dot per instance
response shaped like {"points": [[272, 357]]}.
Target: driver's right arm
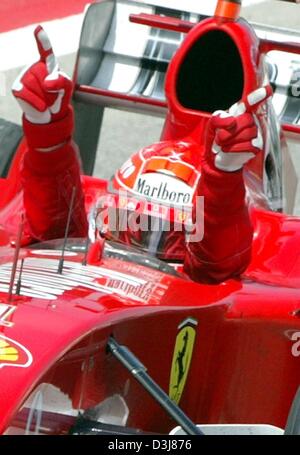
{"points": [[50, 169]]}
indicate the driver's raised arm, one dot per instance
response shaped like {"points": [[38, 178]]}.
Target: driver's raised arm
{"points": [[50, 168], [233, 139]]}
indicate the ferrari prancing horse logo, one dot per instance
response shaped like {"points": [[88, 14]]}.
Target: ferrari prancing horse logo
{"points": [[182, 358]]}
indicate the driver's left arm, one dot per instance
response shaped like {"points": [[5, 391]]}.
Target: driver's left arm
{"points": [[233, 139]]}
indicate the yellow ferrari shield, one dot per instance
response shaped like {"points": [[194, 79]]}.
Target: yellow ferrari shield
{"points": [[182, 357]]}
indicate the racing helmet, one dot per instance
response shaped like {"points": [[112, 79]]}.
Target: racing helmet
{"points": [[150, 200]]}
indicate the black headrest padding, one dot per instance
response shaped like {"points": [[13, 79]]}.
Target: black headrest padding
{"points": [[211, 76]]}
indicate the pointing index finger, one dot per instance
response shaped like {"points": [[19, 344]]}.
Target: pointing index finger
{"points": [[45, 49], [252, 101]]}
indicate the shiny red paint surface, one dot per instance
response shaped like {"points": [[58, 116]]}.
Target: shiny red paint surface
{"points": [[243, 368], [182, 121], [166, 23]]}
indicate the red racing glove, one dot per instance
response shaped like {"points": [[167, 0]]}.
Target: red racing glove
{"points": [[235, 137], [43, 91]]}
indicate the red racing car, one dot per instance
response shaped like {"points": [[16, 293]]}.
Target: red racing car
{"points": [[190, 324]]}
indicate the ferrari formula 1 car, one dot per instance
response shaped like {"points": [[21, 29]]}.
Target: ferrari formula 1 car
{"points": [[122, 342]]}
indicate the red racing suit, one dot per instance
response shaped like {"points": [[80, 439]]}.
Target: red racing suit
{"points": [[48, 179], [47, 169]]}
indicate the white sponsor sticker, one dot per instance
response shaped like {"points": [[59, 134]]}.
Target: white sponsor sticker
{"points": [[41, 280]]}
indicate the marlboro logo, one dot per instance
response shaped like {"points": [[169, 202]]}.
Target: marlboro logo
{"points": [[13, 354], [163, 193], [164, 189]]}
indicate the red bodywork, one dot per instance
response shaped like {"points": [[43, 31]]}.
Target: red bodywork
{"points": [[245, 365], [243, 369]]}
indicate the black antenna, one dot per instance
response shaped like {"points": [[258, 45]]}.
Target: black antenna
{"points": [[15, 262], [86, 250], [61, 261], [19, 283]]}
